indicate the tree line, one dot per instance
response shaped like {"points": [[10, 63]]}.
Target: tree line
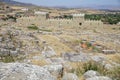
{"points": [[105, 18]]}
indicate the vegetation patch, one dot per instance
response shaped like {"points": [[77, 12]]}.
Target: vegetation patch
{"points": [[105, 18], [10, 58], [115, 73], [84, 67], [81, 68], [33, 27]]}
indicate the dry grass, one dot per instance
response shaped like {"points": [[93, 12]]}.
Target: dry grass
{"points": [[55, 43], [80, 68], [39, 62], [114, 57]]}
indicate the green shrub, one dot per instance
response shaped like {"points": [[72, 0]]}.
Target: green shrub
{"points": [[88, 44], [115, 73], [7, 58], [84, 67], [91, 65], [78, 41], [105, 18], [95, 31], [33, 27], [114, 28]]}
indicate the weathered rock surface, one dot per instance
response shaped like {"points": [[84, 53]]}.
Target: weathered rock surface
{"points": [[21, 71], [98, 58], [90, 74], [70, 76], [99, 78], [74, 57], [56, 70], [94, 75]]}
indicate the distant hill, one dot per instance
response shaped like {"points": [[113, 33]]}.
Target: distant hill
{"points": [[12, 2], [101, 7]]}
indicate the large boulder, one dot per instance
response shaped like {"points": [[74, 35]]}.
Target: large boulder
{"points": [[22, 71], [70, 76], [90, 74], [56, 70], [99, 78]]}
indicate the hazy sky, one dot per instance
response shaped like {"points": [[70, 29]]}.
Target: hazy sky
{"points": [[72, 3]]}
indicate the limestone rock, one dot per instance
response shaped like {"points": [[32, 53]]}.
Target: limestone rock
{"points": [[90, 74], [98, 59], [109, 66], [75, 57], [56, 70], [99, 78], [22, 71]]}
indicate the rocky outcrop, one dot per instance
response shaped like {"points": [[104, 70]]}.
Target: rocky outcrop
{"points": [[56, 70], [21, 71], [94, 75], [90, 74]]}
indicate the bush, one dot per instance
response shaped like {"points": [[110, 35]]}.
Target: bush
{"points": [[33, 27], [91, 65], [115, 73], [105, 18], [84, 67], [7, 58], [88, 44]]}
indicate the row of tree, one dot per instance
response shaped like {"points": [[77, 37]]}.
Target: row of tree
{"points": [[105, 18]]}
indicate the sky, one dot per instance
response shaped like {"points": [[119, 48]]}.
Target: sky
{"points": [[73, 3]]}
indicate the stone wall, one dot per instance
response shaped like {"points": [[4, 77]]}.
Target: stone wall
{"points": [[41, 20]]}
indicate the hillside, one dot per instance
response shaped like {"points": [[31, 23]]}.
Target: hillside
{"points": [[12, 2], [40, 43]]}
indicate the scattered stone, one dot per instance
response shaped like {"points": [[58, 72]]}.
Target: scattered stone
{"points": [[48, 51], [109, 51], [13, 52]]}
